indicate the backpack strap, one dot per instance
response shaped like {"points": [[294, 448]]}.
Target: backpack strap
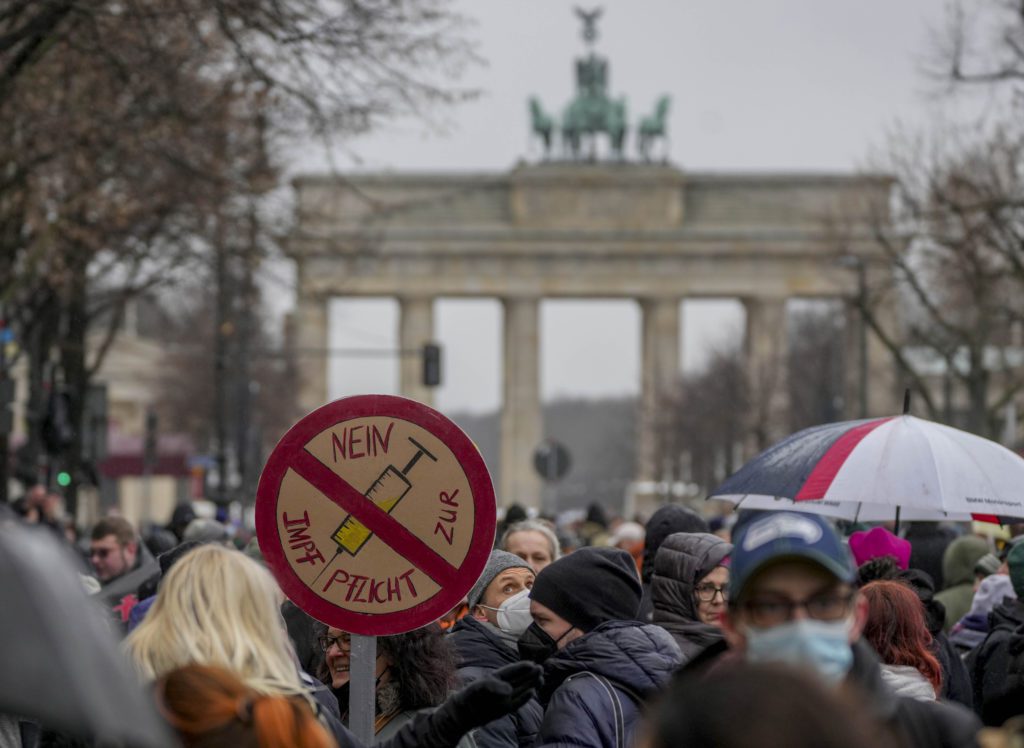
{"points": [[613, 695]]}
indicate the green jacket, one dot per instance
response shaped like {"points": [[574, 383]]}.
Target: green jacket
{"points": [[958, 572]]}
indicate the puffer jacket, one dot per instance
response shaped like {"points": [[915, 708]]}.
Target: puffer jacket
{"points": [[636, 659], [682, 561], [907, 682], [480, 651], [667, 520]]}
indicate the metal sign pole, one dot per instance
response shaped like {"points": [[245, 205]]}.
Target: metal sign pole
{"points": [[361, 694]]}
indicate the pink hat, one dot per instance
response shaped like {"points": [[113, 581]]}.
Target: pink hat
{"points": [[878, 542]]}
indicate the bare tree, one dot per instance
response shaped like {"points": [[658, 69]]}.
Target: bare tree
{"points": [[954, 235], [982, 43], [135, 133], [707, 421], [816, 369]]}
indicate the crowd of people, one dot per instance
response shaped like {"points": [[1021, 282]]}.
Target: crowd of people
{"points": [[759, 628]]}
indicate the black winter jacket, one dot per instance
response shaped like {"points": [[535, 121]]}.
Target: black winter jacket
{"points": [[481, 651], [995, 698], [928, 542], [682, 561], [636, 659]]}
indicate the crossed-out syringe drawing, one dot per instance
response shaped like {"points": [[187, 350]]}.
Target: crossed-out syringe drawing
{"points": [[390, 487]]}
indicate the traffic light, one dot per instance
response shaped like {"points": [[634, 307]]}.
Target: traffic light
{"points": [[431, 364], [58, 431], [63, 479]]}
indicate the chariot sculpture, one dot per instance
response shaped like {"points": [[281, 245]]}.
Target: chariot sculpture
{"points": [[593, 112]]}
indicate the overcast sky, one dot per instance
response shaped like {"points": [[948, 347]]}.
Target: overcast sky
{"points": [[786, 85]]}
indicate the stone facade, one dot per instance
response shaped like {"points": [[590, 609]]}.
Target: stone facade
{"points": [[650, 233]]}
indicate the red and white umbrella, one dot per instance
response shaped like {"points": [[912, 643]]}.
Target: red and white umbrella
{"points": [[884, 468]]}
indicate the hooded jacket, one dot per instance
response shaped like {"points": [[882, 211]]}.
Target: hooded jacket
{"points": [[668, 520], [682, 561], [480, 651], [971, 630], [988, 664], [636, 659], [958, 570]]}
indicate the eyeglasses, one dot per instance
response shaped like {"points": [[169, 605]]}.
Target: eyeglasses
{"points": [[341, 642], [706, 592], [830, 606]]}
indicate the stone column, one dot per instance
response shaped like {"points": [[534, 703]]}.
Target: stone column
{"points": [[659, 351], [415, 327], [312, 342], [885, 393], [855, 365], [521, 418], [765, 350]]}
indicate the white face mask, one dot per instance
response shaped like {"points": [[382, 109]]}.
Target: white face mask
{"points": [[514, 613]]}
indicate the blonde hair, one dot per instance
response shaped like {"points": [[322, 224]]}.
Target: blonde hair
{"points": [[218, 607]]}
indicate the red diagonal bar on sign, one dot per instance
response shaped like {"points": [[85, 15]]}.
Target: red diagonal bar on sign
{"points": [[380, 523]]}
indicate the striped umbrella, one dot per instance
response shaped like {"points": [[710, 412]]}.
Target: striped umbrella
{"points": [[883, 469]]}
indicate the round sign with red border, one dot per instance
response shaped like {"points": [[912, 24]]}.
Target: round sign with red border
{"points": [[376, 514]]}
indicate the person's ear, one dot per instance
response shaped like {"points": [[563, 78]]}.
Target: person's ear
{"points": [[733, 637], [132, 548], [860, 617], [479, 613]]}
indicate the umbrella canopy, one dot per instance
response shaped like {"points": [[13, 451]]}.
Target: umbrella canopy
{"points": [[61, 662], [869, 469]]}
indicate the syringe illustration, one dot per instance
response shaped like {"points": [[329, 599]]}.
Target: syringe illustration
{"points": [[390, 488]]}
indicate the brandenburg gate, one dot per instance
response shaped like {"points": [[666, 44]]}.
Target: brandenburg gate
{"points": [[644, 232], [581, 227]]}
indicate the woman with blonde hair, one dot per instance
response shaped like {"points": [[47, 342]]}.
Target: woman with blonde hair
{"points": [[218, 607]]}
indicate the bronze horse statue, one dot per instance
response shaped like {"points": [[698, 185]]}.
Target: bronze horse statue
{"points": [[543, 124], [652, 127]]}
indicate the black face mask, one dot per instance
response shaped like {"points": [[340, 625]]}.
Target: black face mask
{"points": [[536, 645]]}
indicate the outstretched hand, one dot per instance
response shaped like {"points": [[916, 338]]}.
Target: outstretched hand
{"points": [[498, 694], [482, 701]]}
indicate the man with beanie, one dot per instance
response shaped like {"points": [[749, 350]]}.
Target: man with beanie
{"points": [[792, 601], [487, 638], [600, 664], [997, 664]]}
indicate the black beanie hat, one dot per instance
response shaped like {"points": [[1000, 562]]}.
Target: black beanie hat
{"points": [[590, 586]]}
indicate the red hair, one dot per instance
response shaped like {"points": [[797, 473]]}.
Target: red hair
{"points": [[896, 629], [211, 706]]}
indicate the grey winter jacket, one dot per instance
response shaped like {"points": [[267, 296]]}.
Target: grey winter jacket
{"points": [[682, 561]]}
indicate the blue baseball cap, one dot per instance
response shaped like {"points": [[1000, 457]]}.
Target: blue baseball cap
{"points": [[786, 535]]}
